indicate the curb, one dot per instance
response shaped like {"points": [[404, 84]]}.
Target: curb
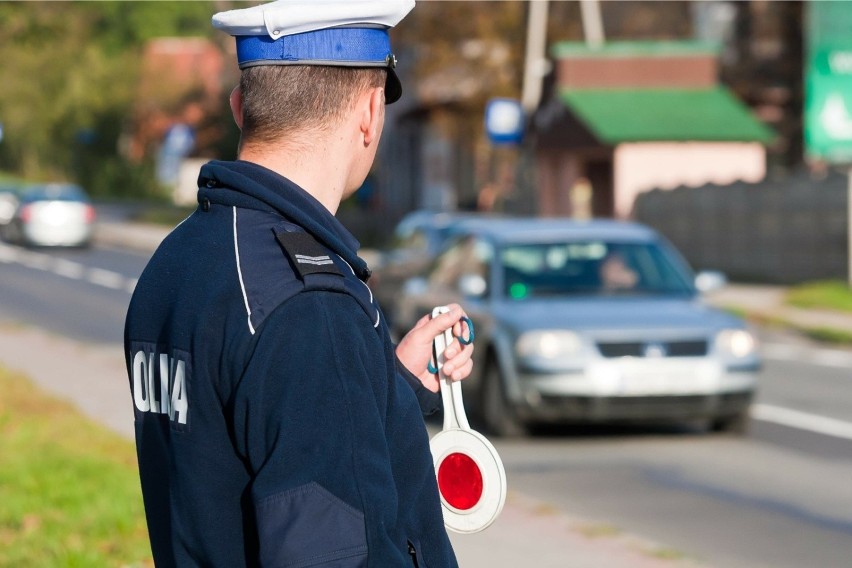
{"points": [[765, 305]]}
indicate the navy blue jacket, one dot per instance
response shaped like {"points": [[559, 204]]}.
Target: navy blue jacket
{"points": [[274, 424]]}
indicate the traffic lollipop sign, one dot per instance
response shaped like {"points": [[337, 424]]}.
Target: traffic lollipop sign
{"points": [[471, 478]]}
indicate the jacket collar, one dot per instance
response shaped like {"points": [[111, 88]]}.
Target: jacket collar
{"points": [[256, 187]]}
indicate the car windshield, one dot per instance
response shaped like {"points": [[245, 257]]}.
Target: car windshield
{"points": [[592, 268]]}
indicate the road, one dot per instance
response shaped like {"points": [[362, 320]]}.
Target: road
{"points": [[78, 293], [778, 497]]}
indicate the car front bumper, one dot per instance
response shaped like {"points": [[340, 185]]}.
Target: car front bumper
{"points": [[635, 389]]}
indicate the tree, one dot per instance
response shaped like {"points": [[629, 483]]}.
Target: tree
{"points": [[68, 81]]}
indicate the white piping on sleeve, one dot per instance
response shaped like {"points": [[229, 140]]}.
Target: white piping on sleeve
{"points": [[240, 273]]}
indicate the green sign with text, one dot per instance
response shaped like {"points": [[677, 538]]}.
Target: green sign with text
{"points": [[828, 82]]}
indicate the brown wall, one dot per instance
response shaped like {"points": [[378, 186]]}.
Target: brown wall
{"points": [[694, 71]]}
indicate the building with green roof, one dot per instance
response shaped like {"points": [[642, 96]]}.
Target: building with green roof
{"points": [[629, 117]]}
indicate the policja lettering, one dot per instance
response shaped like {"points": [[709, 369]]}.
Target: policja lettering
{"points": [[160, 384]]}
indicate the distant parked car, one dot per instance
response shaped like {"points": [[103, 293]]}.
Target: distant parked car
{"points": [[8, 203], [416, 241], [596, 321], [52, 215]]}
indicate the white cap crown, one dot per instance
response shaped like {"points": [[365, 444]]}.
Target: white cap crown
{"points": [[288, 17]]}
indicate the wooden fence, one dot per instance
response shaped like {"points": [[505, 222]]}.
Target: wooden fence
{"points": [[784, 232]]}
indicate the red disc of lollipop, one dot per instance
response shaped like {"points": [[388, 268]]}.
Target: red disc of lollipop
{"points": [[460, 481]]}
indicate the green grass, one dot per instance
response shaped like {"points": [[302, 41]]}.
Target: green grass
{"points": [[828, 335], [69, 488], [827, 294]]}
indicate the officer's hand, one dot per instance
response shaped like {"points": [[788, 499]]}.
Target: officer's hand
{"points": [[415, 349]]}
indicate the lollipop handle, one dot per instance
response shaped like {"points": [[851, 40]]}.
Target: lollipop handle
{"points": [[451, 394]]}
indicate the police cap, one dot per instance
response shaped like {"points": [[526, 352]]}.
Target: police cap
{"points": [[340, 33]]}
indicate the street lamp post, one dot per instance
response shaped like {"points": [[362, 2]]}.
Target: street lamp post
{"points": [[593, 31], [535, 64]]}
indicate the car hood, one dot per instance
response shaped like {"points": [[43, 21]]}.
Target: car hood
{"points": [[614, 314]]}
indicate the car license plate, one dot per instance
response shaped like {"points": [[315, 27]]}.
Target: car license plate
{"points": [[661, 379]]}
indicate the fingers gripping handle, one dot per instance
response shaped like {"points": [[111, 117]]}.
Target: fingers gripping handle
{"points": [[451, 394]]}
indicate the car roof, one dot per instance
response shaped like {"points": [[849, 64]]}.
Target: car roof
{"points": [[48, 191], [509, 230], [430, 219]]}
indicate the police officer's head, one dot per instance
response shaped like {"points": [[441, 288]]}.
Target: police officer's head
{"points": [[305, 63]]}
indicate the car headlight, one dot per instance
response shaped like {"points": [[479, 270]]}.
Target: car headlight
{"points": [[548, 344], [736, 342]]}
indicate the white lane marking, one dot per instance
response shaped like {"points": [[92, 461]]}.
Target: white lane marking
{"points": [[35, 260], [802, 420], [68, 269], [106, 278]]}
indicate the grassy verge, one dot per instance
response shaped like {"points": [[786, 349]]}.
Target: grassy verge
{"points": [[69, 488], [823, 295], [822, 334], [827, 295], [827, 335]]}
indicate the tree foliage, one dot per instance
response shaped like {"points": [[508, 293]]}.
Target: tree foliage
{"points": [[70, 75], [68, 80]]}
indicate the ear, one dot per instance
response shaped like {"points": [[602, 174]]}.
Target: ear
{"points": [[236, 102], [373, 115]]}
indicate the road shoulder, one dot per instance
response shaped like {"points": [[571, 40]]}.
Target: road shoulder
{"points": [[92, 377]]}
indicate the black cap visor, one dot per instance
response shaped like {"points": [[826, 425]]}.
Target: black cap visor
{"points": [[393, 88]]}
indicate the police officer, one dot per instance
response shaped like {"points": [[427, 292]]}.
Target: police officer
{"points": [[276, 423]]}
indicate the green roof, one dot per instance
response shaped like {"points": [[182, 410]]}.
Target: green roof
{"points": [[680, 115], [572, 49]]}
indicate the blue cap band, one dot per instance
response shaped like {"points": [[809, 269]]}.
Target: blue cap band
{"points": [[348, 47]]}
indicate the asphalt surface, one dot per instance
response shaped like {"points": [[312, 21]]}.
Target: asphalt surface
{"points": [[531, 531]]}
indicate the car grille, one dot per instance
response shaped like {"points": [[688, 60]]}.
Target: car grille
{"points": [[696, 348]]}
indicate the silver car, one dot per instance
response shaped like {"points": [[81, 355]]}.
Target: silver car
{"points": [[596, 321], [417, 240], [52, 215]]}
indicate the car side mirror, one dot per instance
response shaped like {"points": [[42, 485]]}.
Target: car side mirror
{"points": [[472, 286], [708, 281]]}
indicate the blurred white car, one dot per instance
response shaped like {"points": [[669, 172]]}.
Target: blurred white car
{"points": [[596, 321], [52, 215]]}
